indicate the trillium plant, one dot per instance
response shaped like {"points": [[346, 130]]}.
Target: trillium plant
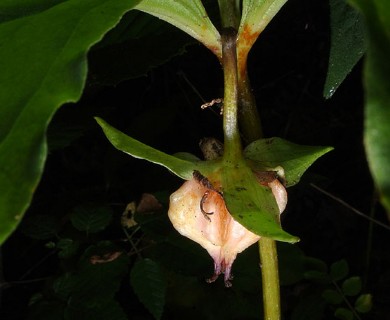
{"points": [[233, 197]]}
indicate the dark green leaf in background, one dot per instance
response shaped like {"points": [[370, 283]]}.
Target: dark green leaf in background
{"points": [[347, 44], [332, 296], [363, 303], [91, 289], [67, 247], [343, 314], [43, 52], [352, 286], [139, 43], [377, 86], [40, 227], [90, 218], [150, 285], [339, 270]]}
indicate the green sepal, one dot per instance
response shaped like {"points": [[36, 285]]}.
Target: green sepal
{"points": [[178, 165], [251, 204], [295, 159]]}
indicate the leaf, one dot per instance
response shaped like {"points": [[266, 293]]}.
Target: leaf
{"points": [[291, 264], [317, 276], [109, 309], [90, 218], [310, 307], [377, 87], [332, 296], [189, 16], [43, 50], [68, 247], [339, 270], [256, 14], [252, 205], [180, 167], [150, 285], [293, 158], [347, 44], [40, 227], [363, 303], [352, 286], [343, 314], [140, 43], [93, 284]]}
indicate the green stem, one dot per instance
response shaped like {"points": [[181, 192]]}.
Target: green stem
{"points": [[250, 126], [238, 93], [249, 118], [270, 278], [230, 13], [232, 141]]}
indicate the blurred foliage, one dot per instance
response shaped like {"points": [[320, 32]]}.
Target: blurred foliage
{"points": [[377, 87]]}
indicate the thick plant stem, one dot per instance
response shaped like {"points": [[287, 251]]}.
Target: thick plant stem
{"points": [[251, 128], [238, 94], [270, 278], [231, 13], [249, 119], [232, 141]]}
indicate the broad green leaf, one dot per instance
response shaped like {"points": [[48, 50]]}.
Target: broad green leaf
{"points": [[180, 167], [90, 218], [252, 205], [293, 158], [352, 286], [150, 285], [363, 303], [43, 50], [377, 87], [339, 270], [256, 14], [347, 44], [189, 16]]}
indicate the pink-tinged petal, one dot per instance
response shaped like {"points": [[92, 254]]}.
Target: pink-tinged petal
{"points": [[280, 194]]}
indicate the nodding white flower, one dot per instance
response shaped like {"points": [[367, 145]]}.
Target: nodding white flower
{"points": [[198, 211]]}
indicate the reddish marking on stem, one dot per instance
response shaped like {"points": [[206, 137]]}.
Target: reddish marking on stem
{"points": [[246, 40]]}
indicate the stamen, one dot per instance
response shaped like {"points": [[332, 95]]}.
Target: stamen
{"points": [[202, 201]]}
